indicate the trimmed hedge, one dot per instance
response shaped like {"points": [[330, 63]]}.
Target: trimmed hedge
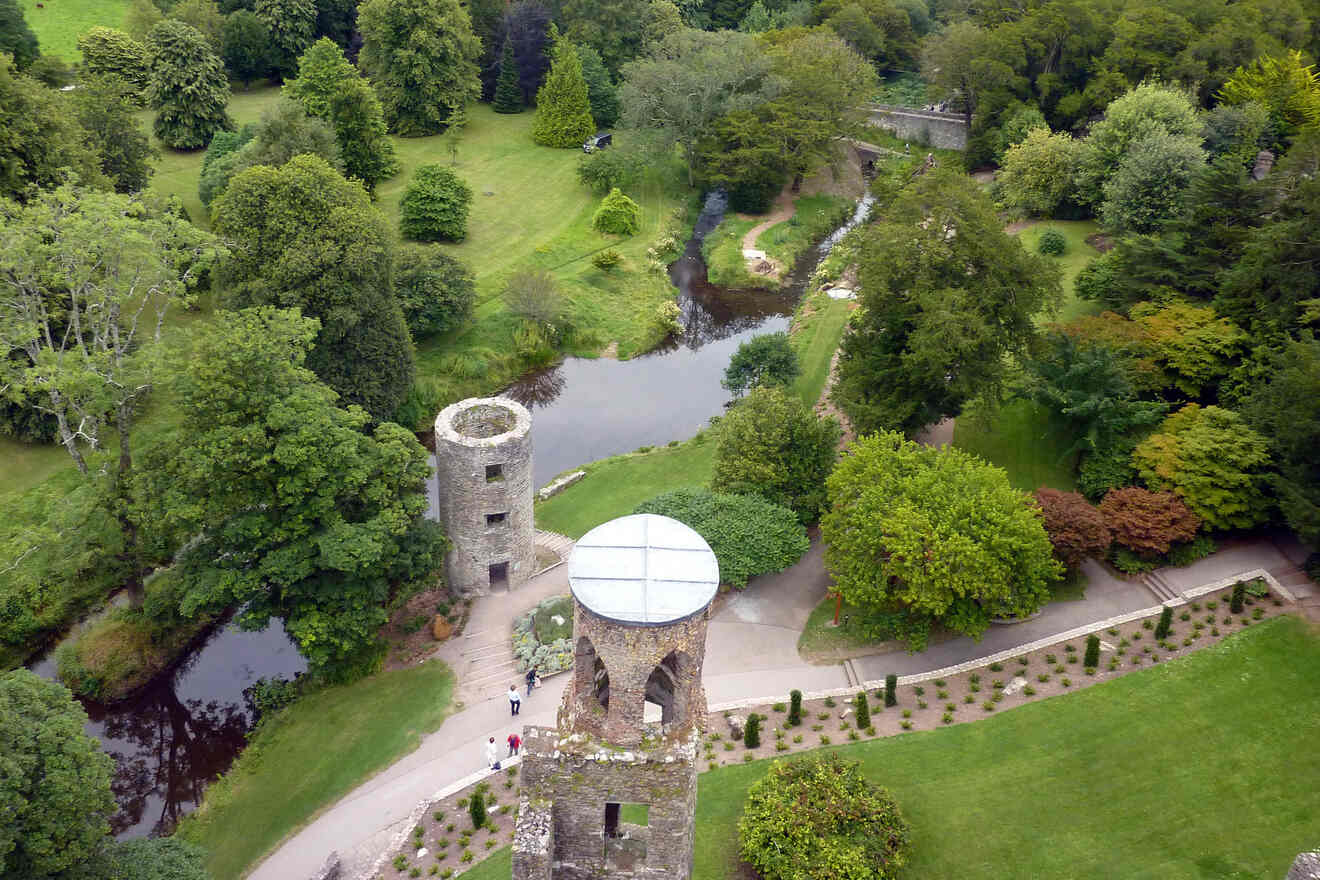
{"points": [[749, 535]]}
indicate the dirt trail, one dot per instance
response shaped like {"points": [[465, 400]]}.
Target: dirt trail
{"points": [[783, 209]]}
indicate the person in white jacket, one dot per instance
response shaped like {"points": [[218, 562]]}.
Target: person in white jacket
{"points": [[492, 754]]}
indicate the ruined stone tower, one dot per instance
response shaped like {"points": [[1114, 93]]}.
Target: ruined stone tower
{"points": [[483, 455], [612, 790]]}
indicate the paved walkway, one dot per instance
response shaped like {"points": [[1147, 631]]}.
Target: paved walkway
{"points": [[751, 652]]}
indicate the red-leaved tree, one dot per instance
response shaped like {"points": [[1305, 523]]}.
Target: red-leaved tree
{"points": [[1148, 523], [1076, 528]]}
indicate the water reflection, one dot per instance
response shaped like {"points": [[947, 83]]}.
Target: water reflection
{"points": [[186, 728]]}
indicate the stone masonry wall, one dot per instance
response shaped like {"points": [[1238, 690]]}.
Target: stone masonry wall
{"points": [[948, 131], [630, 653], [470, 436], [579, 775]]}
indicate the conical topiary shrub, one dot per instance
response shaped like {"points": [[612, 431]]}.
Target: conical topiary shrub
{"points": [[617, 214], [508, 94], [563, 113]]}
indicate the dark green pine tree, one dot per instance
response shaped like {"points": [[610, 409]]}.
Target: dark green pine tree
{"points": [[508, 94]]}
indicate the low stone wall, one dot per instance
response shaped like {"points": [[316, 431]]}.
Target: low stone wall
{"points": [[947, 131]]}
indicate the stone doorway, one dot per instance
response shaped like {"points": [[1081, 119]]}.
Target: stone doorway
{"points": [[499, 577], [626, 833]]}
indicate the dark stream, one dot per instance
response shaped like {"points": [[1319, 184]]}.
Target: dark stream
{"points": [[187, 727], [177, 736]]}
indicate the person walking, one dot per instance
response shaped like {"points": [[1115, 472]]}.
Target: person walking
{"points": [[492, 755], [531, 679], [515, 743], [515, 701]]}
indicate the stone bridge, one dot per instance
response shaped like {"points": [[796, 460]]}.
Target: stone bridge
{"points": [[948, 131]]}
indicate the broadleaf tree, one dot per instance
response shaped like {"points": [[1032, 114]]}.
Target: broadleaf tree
{"points": [[292, 507], [918, 536], [188, 88]]}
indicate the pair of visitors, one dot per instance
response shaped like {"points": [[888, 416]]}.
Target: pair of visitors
{"points": [[531, 680], [515, 701]]}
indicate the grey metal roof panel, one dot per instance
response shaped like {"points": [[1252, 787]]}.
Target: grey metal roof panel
{"points": [[645, 569]]}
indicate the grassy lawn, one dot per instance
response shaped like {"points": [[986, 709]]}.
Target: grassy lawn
{"points": [[1078, 254], [614, 486], [815, 340], [1185, 771], [1022, 440], [61, 22], [814, 217], [723, 249], [312, 755]]}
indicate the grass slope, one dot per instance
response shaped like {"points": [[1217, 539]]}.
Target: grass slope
{"points": [[1020, 438], [1189, 770], [61, 22], [1072, 261], [310, 756]]}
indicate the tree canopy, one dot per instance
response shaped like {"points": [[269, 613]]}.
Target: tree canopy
{"points": [[766, 359], [55, 789], [293, 509], [934, 332], [773, 445], [421, 57], [305, 236], [41, 144], [187, 88], [917, 535], [563, 109]]}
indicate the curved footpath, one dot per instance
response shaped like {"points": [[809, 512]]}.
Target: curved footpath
{"points": [[751, 657]]}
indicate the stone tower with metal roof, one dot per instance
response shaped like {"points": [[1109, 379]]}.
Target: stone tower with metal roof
{"points": [[611, 791]]}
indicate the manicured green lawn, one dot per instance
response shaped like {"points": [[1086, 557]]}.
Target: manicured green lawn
{"points": [[1078, 254], [816, 340], [614, 486], [1022, 440], [61, 22], [814, 217], [312, 755], [1197, 768]]}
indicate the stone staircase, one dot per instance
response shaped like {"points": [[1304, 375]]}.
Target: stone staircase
{"points": [[1160, 587], [488, 666], [560, 545]]}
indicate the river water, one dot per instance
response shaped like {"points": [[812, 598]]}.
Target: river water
{"points": [[187, 727]]}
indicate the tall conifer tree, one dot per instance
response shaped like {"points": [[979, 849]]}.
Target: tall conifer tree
{"points": [[563, 112], [508, 95]]}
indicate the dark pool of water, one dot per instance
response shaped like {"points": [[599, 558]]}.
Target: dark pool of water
{"points": [[186, 728]]}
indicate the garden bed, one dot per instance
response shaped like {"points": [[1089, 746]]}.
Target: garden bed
{"points": [[543, 637], [444, 843], [971, 695]]}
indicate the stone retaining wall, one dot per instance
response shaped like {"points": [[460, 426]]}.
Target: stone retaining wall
{"points": [[947, 131]]}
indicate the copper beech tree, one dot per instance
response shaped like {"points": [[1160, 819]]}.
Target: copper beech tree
{"points": [[1075, 527], [1148, 523]]}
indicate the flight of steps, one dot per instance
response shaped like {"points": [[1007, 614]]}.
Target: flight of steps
{"points": [[488, 666], [560, 545], [1160, 587]]}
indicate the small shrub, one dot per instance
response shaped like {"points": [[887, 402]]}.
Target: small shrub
{"points": [[853, 736], [863, 710], [997, 697], [748, 757], [728, 747], [1258, 614], [906, 725], [1050, 659], [950, 707], [829, 702], [1066, 682], [921, 704], [400, 862], [781, 747], [891, 690], [778, 707], [477, 810], [823, 716], [1214, 630], [919, 691], [907, 713], [798, 738], [1166, 620], [947, 718], [969, 699], [438, 815], [997, 683], [942, 694], [1052, 242], [996, 667], [752, 731], [1239, 598], [1211, 605], [1146, 624], [1092, 651], [1060, 669], [939, 683], [817, 728], [1023, 661], [988, 706], [617, 214], [974, 678], [607, 259], [1184, 617], [974, 688], [1029, 691], [795, 708], [1043, 677], [824, 739], [467, 856]]}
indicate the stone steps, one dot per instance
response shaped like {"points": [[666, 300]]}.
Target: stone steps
{"points": [[1160, 587], [488, 666], [560, 545]]}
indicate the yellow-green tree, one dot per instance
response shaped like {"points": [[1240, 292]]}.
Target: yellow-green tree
{"points": [[563, 110]]}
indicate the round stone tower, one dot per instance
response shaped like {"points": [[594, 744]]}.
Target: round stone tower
{"points": [[642, 587], [483, 453]]}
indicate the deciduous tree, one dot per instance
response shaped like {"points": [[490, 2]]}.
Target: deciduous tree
{"points": [[104, 106], [293, 508], [108, 52], [322, 70], [918, 536], [1148, 109], [1211, 459], [1148, 523], [1145, 191], [245, 46], [305, 236], [1076, 528], [1036, 174], [435, 290], [421, 57], [435, 205], [188, 89], [203, 15], [292, 28], [17, 39], [359, 123], [55, 789], [41, 144], [947, 295], [773, 445], [765, 360]]}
